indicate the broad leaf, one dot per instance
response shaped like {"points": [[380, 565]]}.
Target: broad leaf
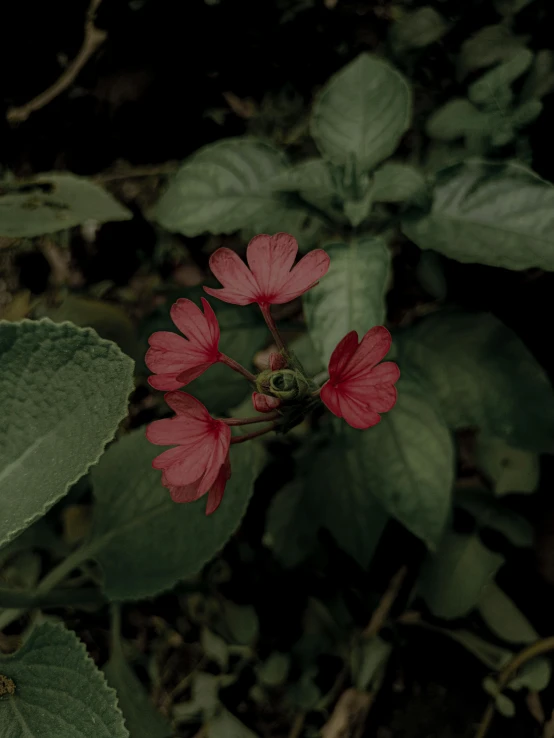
{"points": [[510, 469], [243, 333], [362, 113], [222, 187], [418, 29], [394, 182], [53, 202], [64, 392], [145, 542], [141, 718], [489, 45], [483, 376], [351, 296], [456, 119], [58, 690], [495, 214], [453, 579], [407, 462], [504, 619], [312, 180]]}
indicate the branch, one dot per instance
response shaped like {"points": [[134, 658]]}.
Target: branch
{"points": [[387, 601], [94, 37]]}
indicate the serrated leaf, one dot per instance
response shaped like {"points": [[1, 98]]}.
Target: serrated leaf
{"points": [[407, 462], [418, 29], [222, 188], [58, 690], [226, 725], [511, 469], [109, 321], [503, 618], [495, 214], [53, 202], [144, 542], [490, 513], [64, 392], [453, 579], [395, 182], [243, 333], [362, 113], [483, 376], [351, 296], [141, 718]]}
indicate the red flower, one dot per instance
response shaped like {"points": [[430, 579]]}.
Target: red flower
{"points": [[176, 361], [359, 388], [199, 461], [265, 403], [271, 280]]}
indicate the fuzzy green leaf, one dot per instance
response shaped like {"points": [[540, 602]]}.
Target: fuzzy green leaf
{"points": [[64, 392], [362, 113], [145, 542], [58, 690]]}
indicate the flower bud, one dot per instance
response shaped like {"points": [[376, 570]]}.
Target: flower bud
{"points": [[265, 403]]}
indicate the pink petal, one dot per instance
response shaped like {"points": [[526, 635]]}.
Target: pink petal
{"points": [[380, 397], [239, 283], [343, 352], [220, 451], [166, 432], [356, 413], [167, 341], [167, 458], [215, 495], [264, 403], [186, 493], [165, 381], [304, 275], [184, 404], [200, 329], [189, 375], [192, 465], [386, 373], [374, 346], [330, 398], [270, 258]]}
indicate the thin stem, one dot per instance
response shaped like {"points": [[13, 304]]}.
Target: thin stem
{"points": [[115, 628], [254, 434], [224, 359], [266, 312], [508, 672], [382, 611], [54, 577], [248, 421], [21, 598]]}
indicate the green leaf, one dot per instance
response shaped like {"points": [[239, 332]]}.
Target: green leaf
{"points": [[495, 214], [362, 113], [534, 675], [241, 622], [145, 542], [483, 376], [492, 86], [453, 579], [491, 44], [456, 119], [351, 296], [367, 662], [274, 670], [504, 619], [214, 648], [311, 179], [109, 321], [511, 469], [511, 7], [64, 392], [226, 725], [222, 187], [394, 182], [488, 653], [418, 29], [54, 202], [407, 461], [58, 690], [490, 513], [141, 717], [331, 493], [287, 217], [243, 333], [540, 80]]}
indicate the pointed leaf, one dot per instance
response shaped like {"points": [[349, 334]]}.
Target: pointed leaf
{"points": [[221, 188], [496, 214], [503, 618], [58, 690], [362, 113], [418, 29], [54, 202], [145, 542], [64, 392], [483, 376], [351, 296]]}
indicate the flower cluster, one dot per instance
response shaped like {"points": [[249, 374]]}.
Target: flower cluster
{"points": [[359, 387]]}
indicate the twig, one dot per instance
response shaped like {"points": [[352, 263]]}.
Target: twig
{"points": [[505, 676], [93, 38], [156, 170], [297, 725], [387, 601]]}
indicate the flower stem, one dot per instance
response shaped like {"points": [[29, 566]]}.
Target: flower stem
{"points": [[266, 312], [254, 419], [254, 434], [224, 359]]}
